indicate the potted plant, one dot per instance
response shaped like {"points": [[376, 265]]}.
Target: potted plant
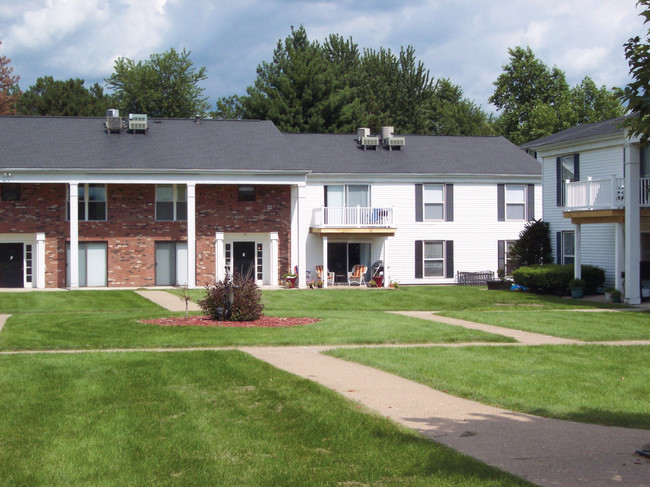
{"points": [[577, 287], [319, 283], [613, 295], [290, 279]]}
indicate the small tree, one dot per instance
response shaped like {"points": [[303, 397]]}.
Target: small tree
{"points": [[233, 299], [533, 246], [9, 91]]}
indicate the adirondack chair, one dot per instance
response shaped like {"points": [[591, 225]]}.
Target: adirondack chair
{"points": [[358, 275], [319, 275]]}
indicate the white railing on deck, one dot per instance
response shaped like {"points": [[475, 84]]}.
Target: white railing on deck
{"points": [[608, 193], [353, 217]]}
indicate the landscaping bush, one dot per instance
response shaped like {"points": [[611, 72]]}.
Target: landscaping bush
{"points": [[233, 299], [533, 246], [554, 279]]}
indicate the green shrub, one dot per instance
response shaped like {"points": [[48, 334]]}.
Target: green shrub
{"points": [[245, 295], [554, 279]]}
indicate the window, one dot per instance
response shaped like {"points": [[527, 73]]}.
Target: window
{"points": [[91, 202], [505, 261], [567, 167], [433, 196], [434, 258], [568, 248], [10, 191], [171, 202], [515, 202], [246, 193], [434, 202], [347, 196]]}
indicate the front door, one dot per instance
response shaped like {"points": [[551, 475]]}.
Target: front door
{"points": [[11, 265], [244, 259]]}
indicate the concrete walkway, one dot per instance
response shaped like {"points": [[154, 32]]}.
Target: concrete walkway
{"points": [[170, 301], [544, 451]]}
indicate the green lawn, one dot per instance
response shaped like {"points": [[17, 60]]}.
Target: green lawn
{"points": [[202, 418], [585, 326], [588, 383]]}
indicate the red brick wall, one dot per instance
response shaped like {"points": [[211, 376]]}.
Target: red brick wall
{"points": [[131, 230]]}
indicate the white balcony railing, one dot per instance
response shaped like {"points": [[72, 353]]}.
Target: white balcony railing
{"points": [[599, 194], [354, 217]]}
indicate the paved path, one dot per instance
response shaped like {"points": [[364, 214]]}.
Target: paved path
{"points": [[3, 320], [169, 301], [544, 451]]}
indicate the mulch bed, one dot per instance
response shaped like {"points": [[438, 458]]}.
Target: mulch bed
{"points": [[263, 322]]}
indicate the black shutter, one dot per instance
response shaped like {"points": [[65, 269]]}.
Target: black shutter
{"points": [[325, 198], [576, 167], [501, 254], [449, 203], [449, 259], [558, 241], [419, 247], [419, 217], [501, 202], [558, 181], [530, 203]]}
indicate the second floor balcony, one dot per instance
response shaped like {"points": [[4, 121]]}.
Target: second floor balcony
{"points": [[353, 220], [602, 194]]}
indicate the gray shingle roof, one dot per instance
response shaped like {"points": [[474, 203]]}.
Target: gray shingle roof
{"points": [[422, 154], [242, 145], [596, 129]]}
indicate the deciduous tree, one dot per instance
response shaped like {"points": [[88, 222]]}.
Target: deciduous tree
{"points": [[9, 91], [635, 94], [166, 85]]}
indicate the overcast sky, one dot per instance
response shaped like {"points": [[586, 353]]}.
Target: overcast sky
{"points": [[464, 40]]}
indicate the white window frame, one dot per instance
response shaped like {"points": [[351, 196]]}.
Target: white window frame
{"points": [[426, 259], [175, 203], [441, 204], [564, 253], [346, 192], [570, 158], [511, 203], [82, 190]]}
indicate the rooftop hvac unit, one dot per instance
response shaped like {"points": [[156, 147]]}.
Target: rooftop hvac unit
{"points": [[391, 142], [387, 132], [363, 132], [369, 142], [113, 124], [137, 121], [112, 112]]}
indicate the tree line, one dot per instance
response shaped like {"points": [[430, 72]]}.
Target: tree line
{"points": [[334, 87]]}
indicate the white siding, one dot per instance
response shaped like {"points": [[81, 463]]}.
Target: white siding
{"points": [[474, 230], [601, 160]]}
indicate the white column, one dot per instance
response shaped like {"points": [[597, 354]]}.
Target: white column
{"points": [[619, 256], [273, 258], [303, 231], [632, 225], [39, 254], [325, 268], [219, 257], [385, 253], [74, 235], [577, 252], [191, 235]]}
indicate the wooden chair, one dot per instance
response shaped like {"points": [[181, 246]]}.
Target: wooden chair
{"points": [[319, 275], [358, 275]]}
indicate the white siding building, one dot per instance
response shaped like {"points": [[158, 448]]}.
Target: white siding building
{"points": [[596, 200]]}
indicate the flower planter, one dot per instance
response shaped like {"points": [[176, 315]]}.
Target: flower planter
{"points": [[379, 280], [499, 285], [577, 292], [291, 281]]}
